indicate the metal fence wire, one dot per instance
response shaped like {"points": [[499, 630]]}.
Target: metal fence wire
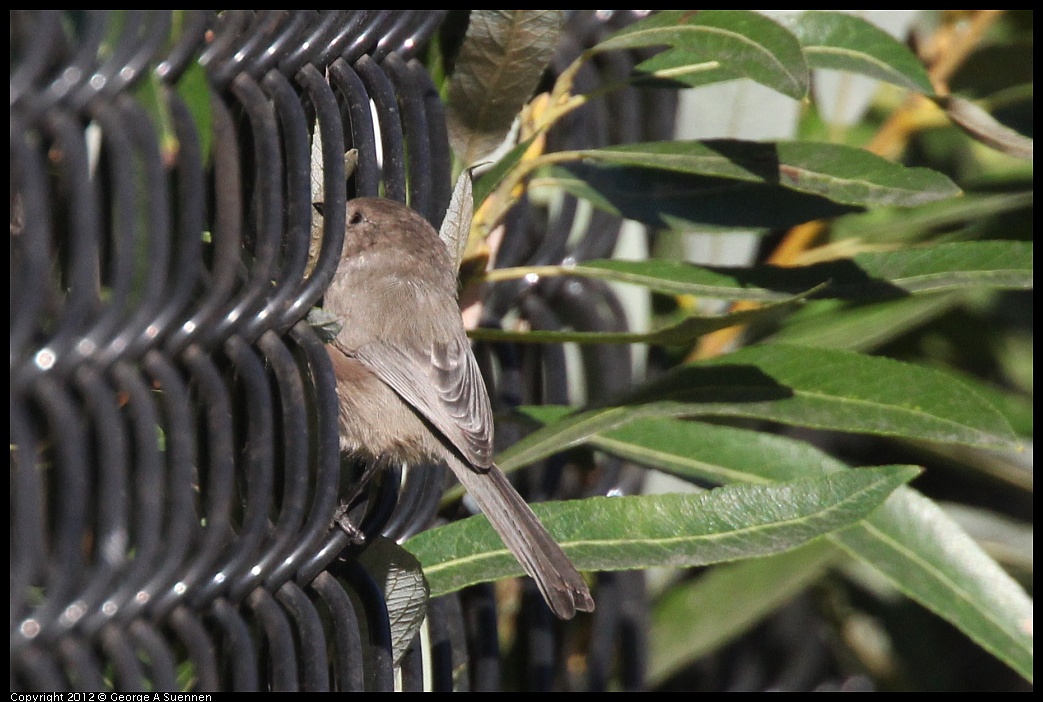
{"points": [[174, 451]]}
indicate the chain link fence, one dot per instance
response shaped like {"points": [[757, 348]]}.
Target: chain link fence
{"points": [[174, 452]]}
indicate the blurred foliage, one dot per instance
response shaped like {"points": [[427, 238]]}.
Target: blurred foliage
{"points": [[937, 375]]}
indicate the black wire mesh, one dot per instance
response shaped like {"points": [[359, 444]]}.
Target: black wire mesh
{"points": [[174, 460]]}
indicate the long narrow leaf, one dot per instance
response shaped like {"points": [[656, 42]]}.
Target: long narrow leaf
{"points": [[926, 554], [670, 200], [684, 332], [797, 385], [695, 618], [984, 127], [730, 523], [844, 174], [741, 43], [890, 274], [910, 539], [890, 225], [835, 324], [831, 389], [847, 43]]}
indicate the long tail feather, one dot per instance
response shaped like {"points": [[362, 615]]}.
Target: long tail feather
{"points": [[558, 580]]}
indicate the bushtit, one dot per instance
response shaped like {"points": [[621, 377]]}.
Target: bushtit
{"points": [[409, 386]]}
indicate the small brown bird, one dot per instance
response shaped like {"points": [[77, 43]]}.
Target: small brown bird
{"points": [[409, 386]]}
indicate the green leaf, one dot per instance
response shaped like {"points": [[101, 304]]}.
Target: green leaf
{"points": [[910, 540], [923, 272], [1016, 407], [982, 126], [926, 554], [670, 200], [844, 174], [150, 92], [833, 389], [736, 184], [838, 325], [682, 333], [618, 533], [741, 43], [677, 68], [1008, 541], [986, 264], [500, 63], [1003, 265], [695, 618], [487, 182], [701, 452], [803, 386], [194, 89], [678, 278], [902, 224], [401, 580], [848, 43]]}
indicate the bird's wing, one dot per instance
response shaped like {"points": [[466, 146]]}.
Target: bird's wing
{"points": [[442, 382]]}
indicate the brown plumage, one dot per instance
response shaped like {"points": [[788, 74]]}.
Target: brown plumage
{"points": [[409, 386]]}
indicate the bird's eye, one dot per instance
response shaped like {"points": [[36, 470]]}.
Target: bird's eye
{"points": [[355, 218]]}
